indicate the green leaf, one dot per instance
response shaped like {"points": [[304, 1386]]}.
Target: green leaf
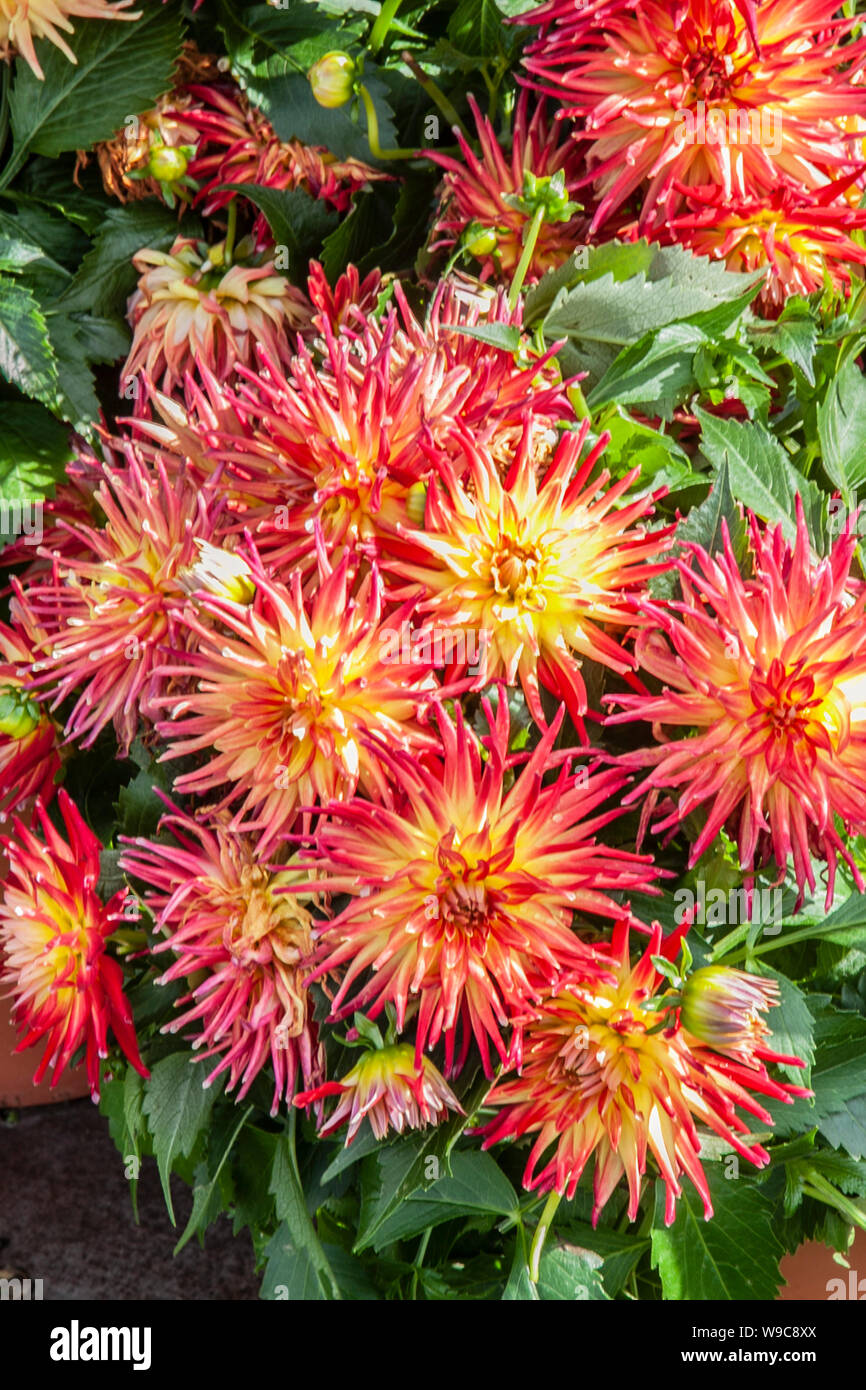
{"points": [[619, 1252], [794, 334], [368, 224], [620, 259], [733, 1256], [761, 474], [568, 1272], [76, 399], [838, 1081], [206, 1195], [297, 221], [34, 450], [476, 27], [506, 336], [120, 70], [178, 1106], [842, 430], [390, 1176], [792, 1027], [655, 372], [26, 356], [295, 1255], [106, 275], [476, 1184], [703, 525]]}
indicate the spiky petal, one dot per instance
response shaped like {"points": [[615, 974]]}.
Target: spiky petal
{"points": [[766, 677], [66, 990], [596, 1081], [463, 895], [22, 21], [214, 898]]}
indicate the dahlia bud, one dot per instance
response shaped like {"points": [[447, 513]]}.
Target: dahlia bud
{"points": [[167, 164], [332, 79], [722, 1007], [481, 240], [416, 503], [19, 716]]}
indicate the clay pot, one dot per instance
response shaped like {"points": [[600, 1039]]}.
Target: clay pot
{"points": [[814, 1276]]}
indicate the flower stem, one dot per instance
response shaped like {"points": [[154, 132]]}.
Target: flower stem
{"points": [[524, 262], [373, 130], [231, 231], [379, 32], [435, 93], [541, 1235]]}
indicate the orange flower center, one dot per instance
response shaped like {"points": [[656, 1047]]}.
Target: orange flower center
{"points": [[785, 701], [515, 570]]}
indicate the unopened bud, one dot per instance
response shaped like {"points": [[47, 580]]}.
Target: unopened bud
{"points": [[332, 79]]}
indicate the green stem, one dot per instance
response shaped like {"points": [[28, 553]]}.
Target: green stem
{"points": [[435, 94], [541, 1235], [419, 1261], [824, 1191], [373, 131], [379, 32], [806, 934], [231, 231], [525, 260]]}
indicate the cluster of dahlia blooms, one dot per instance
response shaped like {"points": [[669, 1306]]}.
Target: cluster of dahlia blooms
{"points": [[733, 128]]}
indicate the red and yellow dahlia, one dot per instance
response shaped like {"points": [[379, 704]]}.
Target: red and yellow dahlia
{"points": [[66, 990], [464, 892], [391, 1089], [537, 569], [642, 80], [22, 21], [29, 754], [287, 695], [111, 606], [215, 901], [766, 677], [597, 1080], [724, 1008], [475, 192]]}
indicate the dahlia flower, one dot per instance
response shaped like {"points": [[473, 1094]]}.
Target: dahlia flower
{"points": [[391, 1089], [66, 989], [29, 755], [22, 21], [237, 144], [799, 241], [215, 901], [538, 570], [192, 309], [476, 190], [723, 1008], [344, 438], [597, 1079], [643, 80], [463, 893], [287, 695], [766, 677], [110, 606]]}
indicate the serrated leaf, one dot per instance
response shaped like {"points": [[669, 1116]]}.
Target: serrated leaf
{"points": [[476, 27], [733, 1256], [295, 1250], [761, 473], [391, 1176], [106, 275], [618, 1251], [120, 70], [76, 399], [369, 223], [794, 334], [26, 357], [842, 430], [506, 336], [620, 259], [476, 1184], [838, 1081], [791, 1027], [178, 1107], [206, 1196], [34, 450]]}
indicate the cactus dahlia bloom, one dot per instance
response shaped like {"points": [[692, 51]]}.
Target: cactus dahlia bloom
{"points": [[474, 193], [22, 21], [766, 678], [112, 606], [597, 1080], [237, 144], [463, 893], [287, 695], [66, 989], [214, 900], [538, 570], [798, 241], [190, 308], [29, 756], [642, 79], [389, 1087]]}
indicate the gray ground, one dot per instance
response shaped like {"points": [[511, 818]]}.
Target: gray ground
{"points": [[66, 1218]]}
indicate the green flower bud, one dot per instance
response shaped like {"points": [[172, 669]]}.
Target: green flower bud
{"points": [[167, 164], [332, 79], [722, 1007], [480, 240], [19, 716]]}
